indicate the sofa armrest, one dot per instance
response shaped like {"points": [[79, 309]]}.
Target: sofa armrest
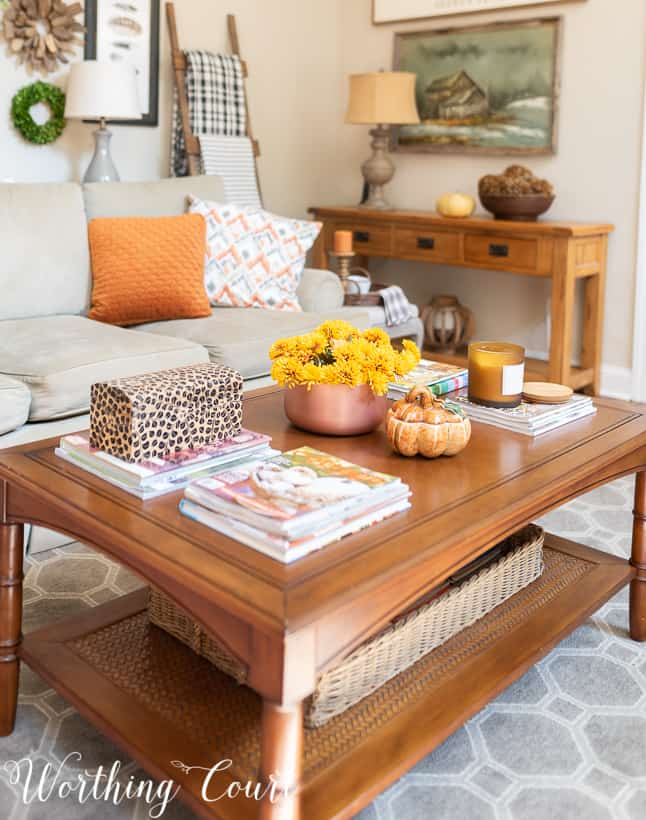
{"points": [[319, 291]]}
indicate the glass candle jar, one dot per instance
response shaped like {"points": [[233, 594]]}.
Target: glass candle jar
{"points": [[496, 373]]}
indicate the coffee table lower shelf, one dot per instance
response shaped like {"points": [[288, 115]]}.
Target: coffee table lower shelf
{"points": [[164, 704]]}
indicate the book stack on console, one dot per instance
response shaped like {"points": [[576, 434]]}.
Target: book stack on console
{"points": [[158, 475], [528, 418], [438, 377], [294, 503]]}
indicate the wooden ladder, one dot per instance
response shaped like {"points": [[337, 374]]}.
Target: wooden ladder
{"points": [[178, 58]]}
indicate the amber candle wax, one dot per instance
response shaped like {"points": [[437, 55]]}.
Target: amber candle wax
{"points": [[496, 373], [342, 242]]}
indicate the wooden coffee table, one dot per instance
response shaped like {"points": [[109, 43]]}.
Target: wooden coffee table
{"points": [[165, 706]]}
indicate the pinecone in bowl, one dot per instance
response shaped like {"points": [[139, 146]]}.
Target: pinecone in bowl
{"points": [[516, 194]]}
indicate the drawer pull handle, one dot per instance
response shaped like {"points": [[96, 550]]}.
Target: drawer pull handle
{"points": [[427, 243], [498, 250], [361, 236]]}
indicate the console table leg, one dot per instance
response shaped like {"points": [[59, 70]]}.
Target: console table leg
{"points": [[282, 758], [563, 281], [11, 549], [638, 560]]}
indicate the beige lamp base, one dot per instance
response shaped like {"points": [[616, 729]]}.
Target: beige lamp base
{"points": [[378, 170]]}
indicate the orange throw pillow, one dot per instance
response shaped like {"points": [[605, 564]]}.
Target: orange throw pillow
{"points": [[148, 269]]}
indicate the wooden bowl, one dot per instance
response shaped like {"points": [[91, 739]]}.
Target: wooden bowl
{"points": [[525, 208]]}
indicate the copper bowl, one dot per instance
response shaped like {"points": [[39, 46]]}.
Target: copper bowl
{"points": [[335, 409], [523, 208]]}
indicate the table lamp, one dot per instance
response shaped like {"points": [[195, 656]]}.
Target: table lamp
{"points": [[102, 91], [381, 98]]}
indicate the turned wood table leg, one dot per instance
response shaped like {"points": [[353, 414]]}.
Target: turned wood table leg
{"points": [[281, 759], [638, 560], [11, 547]]}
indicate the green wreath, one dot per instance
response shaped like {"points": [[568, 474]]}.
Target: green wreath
{"points": [[25, 123]]}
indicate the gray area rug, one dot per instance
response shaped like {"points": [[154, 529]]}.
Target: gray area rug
{"points": [[565, 742]]}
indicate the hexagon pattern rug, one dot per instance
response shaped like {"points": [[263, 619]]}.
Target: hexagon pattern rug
{"points": [[565, 742]]}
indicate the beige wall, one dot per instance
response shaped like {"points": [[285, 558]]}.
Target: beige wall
{"points": [[292, 50], [596, 170], [300, 52]]}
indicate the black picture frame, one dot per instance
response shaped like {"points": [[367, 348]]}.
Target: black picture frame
{"points": [[150, 117]]}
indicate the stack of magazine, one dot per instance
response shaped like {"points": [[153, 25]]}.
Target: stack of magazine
{"points": [[294, 503], [157, 476], [438, 377], [528, 418]]}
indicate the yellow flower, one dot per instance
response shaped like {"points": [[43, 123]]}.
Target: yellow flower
{"points": [[286, 371], [338, 329], [280, 348], [379, 383], [377, 336], [338, 353], [407, 358]]}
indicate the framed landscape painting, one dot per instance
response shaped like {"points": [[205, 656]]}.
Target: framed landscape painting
{"points": [[396, 11], [485, 89]]}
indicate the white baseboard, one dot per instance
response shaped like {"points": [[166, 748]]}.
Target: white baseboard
{"points": [[616, 382]]}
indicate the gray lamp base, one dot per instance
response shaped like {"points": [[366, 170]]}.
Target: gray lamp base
{"points": [[378, 170], [101, 168]]}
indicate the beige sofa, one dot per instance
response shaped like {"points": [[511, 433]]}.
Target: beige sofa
{"points": [[50, 347], [50, 352]]}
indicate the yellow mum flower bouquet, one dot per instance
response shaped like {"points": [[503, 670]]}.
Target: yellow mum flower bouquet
{"points": [[338, 353], [338, 376]]}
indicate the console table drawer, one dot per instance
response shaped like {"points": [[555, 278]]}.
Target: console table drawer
{"points": [[434, 246], [501, 251], [371, 240]]}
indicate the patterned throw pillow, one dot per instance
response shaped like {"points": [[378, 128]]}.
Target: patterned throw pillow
{"points": [[253, 258]]}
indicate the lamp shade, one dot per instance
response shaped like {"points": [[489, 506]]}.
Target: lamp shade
{"points": [[107, 90], [382, 98]]}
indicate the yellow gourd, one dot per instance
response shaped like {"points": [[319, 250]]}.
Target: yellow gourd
{"points": [[421, 424], [456, 205]]}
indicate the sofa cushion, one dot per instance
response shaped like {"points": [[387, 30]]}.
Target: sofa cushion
{"points": [[241, 337], [44, 263], [15, 399], [59, 357], [165, 197]]}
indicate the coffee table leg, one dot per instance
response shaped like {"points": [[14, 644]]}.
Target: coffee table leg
{"points": [[282, 758], [11, 547], [638, 560]]}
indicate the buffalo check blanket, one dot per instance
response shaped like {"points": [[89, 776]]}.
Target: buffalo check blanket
{"points": [[216, 102], [397, 308]]}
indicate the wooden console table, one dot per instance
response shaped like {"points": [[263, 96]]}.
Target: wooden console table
{"points": [[561, 251]]}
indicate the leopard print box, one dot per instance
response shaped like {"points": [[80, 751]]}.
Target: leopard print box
{"points": [[146, 416]]}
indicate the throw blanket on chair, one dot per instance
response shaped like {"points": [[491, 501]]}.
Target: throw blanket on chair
{"points": [[215, 91], [396, 306]]}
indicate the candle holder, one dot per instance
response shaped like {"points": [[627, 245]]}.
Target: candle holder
{"points": [[496, 374], [343, 268]]}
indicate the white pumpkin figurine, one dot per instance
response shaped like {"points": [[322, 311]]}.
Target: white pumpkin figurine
{"points": [[457, 206]]}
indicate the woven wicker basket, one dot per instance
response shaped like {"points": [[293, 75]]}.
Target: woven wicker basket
{"points": [[398, 646]]}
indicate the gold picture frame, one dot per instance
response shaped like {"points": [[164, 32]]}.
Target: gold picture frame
{"points": [[510, 108], [386, 12]]}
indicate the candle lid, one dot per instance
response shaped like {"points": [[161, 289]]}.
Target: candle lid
{"points": [[546, 392]]}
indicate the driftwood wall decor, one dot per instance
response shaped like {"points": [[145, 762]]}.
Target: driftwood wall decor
{"points": [[42, 33]]}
